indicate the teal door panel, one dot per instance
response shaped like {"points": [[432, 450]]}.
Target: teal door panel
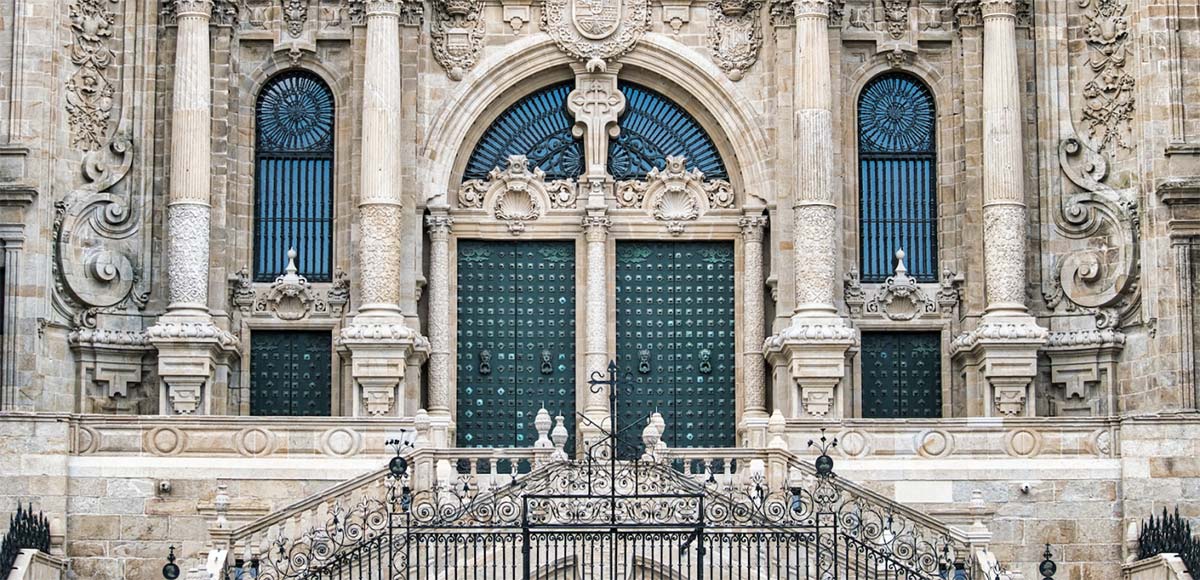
{"points": [[902, 375], [516, 339], [675, 340], [290, 373]]}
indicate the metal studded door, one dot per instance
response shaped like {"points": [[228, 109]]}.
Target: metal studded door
{"points": [[675, 339], [516, 339], [902, 375], [290, 373]]}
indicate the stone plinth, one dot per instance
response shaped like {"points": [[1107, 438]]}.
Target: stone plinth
{"points": [[188, 356], [815, 356], [1000, 362]]}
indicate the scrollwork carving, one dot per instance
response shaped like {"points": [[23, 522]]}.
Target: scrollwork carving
{"points": [[96, 258], [734, 35], [1102, 277], [1109, 94], [517, 194], [89, 92], [456, 31], [674, 194]]}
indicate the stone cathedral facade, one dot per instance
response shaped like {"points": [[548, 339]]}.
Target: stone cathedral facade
{"points": [[246, 242]]}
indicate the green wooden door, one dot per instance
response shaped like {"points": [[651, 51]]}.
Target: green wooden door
{"points": [[516, 339], [290, 373], [675, 340], [902, 375]]}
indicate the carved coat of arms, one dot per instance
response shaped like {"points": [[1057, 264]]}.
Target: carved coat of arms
{"points": [[596, 31]]}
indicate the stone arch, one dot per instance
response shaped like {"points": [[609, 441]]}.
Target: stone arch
{"points": [[507, 74]]}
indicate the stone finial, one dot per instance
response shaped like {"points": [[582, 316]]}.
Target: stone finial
{"points": [[660, 425], [559, 437], [651, 437], [542, 424], [221, 504], [776, 426], [422, 424]]}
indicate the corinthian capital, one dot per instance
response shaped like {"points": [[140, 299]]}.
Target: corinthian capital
{"points": [[811, 8], [184, 8], [596, 227], [383, 7], [998, 8], [439, 226], [752, 227]]}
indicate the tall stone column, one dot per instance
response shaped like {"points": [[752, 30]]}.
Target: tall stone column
{"points": [[441, 420], [754, 409], [1000, 354], [189, 346], [815, 344], [596, 348], [379, 341]]}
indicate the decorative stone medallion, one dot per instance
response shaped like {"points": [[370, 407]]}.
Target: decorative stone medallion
{"points": [[596, 31]]}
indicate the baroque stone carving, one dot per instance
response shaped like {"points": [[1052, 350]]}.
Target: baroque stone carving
{"points": [[596, 31], [674, 194], [517, 194], [1101, 278], [379, 247], [595, 103], [895, 17], [456, 30], [295, 16], [290, 297], [1109, 93], [1004, 285], [734, 35], [110, 362], [187, 259], [96, 251], [783, 13], [900, 297], [89, 92]]}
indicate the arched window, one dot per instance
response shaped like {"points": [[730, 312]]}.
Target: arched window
{"points": [[293, 177], [539, 127], [653, 127], [897, 178]]}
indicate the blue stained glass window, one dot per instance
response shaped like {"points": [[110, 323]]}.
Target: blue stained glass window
{"points": [[897, 178], [539, 127], [653, 127], [293, 201]]}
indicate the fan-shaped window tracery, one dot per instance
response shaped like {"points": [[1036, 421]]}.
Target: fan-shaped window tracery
{"points": [[293, 202], [897, 178]]}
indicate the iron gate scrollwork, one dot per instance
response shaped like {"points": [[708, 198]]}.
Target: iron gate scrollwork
{"points": [[602, 517]]}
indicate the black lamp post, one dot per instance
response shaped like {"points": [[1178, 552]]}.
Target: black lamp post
{"points": [[170, 570]]}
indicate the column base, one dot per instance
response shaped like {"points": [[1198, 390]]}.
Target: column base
{"points": [[814, 351], [380, 352], [189, 353], [753, 429], [999, 358], [441, 429]]}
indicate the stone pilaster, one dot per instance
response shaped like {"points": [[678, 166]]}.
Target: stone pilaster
{"points": [[1000, 355], [596, 103], [596, 357], [190, 347], [814, 345], [754, 410], [441, 420], [380, 342]]}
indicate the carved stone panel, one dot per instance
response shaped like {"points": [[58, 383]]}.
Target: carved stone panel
{"points": [[734, 35]]}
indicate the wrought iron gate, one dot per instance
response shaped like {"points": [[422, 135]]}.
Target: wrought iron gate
{"points": [[516, 338], [675, 338], [599, 517], [290, 373]]}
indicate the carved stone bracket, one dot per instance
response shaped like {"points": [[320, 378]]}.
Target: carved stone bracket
{"points": [[188, 354], [517, 194], [734, 35], [111, 368], [456, 30], [1083, 365], [675, 195]]}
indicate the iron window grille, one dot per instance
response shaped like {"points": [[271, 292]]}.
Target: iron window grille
{"points": [[897, 178], [293, 202]]}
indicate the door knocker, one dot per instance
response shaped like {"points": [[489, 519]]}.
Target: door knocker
{"points": [[644, 361], [547, 368], [485, 362], [705, 365]]}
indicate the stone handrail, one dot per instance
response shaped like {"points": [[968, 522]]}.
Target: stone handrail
{"points": [[1159, 567], [37, 565]]}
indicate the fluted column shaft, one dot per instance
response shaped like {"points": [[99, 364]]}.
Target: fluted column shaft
{"points": [[191, 162], [596, 348], [380, 202], [439, 313], [1004, 212], [753, 364], [815, 231]]}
